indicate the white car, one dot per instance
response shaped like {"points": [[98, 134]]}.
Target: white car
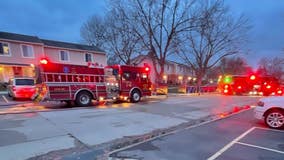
{"points": [[21, 87], [271, 110]]}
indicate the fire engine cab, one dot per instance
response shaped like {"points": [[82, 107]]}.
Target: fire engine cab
{"points": [[82, 84]]}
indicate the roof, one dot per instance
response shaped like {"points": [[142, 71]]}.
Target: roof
{"points": [[52, 43], [19, 37], [70, 45], [143, 57]]}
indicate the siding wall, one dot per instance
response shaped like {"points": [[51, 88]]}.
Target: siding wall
{"points": [[17, 65], [75, 57], [16, 53]]}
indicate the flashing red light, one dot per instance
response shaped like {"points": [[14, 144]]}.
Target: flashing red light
{"points": [[239, 87], [43, 61], [226, 91], [252, 77], [226, 86], [268, 87], [147, 69], [279, 92]]}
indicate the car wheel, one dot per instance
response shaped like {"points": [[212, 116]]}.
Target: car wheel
{"points": [[275, 119], [83, 99], [135, 96]]}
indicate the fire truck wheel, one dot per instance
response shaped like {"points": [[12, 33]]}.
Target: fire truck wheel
{"points": [[135, 96], [83, 99]]}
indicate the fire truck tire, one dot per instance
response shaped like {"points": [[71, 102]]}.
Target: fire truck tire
{"points": [[83, 98], [135, 96]]}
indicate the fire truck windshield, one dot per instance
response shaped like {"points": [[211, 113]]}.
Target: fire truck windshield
{"points": [[115, 72]]}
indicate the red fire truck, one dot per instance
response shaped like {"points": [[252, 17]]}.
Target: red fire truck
{"points": [[82, 84], [249, 84]]}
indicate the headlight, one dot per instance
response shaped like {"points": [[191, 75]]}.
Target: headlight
{"points": [[260, 103]]}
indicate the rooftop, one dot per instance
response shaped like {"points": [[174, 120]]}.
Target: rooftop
{"points": [[35, 39]]}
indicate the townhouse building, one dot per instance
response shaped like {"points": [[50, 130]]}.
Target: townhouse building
{"points": [[19, 54], [174, 73]]}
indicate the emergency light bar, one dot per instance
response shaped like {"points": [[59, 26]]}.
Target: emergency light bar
{"points": [[43, 61]]}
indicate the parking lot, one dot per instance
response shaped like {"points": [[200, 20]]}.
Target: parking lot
{"points": [[237, 137], [255, 143]]}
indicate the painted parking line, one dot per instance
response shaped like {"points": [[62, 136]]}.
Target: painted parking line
{"points": [[259, 147], [217, 154], [269, 129], [237, 141], [5, 99]]}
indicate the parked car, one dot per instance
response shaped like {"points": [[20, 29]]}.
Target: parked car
{"points": [[21, 87], [271, 110]]}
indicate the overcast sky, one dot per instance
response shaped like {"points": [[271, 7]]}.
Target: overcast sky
{"points": [[61, 20]]}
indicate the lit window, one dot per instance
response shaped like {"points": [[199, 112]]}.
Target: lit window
{"points": [[4, 49], [64, 56], [27, 51], [88, 57]]}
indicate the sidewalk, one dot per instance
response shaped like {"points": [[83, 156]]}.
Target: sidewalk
{"points": [[6, 101]]}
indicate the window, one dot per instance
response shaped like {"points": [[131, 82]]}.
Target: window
{"points": [[88, 57], [4, 49], [64, 56], [22, 82], [126, 76], [27, 51], [144, 78]]}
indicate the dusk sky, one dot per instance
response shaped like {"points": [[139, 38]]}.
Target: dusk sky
{"points": [[62, 19]]}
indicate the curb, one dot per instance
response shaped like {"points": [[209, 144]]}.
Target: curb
{"points": [[11, 104]]}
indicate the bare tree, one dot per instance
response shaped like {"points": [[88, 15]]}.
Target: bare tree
{"points": [[216, 35], [229, 66], [122, 40], [114, 34], [94, 31], [234, 66], [273, 67], [160, 24]]}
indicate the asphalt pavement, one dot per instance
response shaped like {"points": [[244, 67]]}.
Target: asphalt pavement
{"points": [[236, 137], [87, 132]]}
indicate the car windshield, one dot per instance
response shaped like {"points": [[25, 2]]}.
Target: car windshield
{"points": [[29, 82]]}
